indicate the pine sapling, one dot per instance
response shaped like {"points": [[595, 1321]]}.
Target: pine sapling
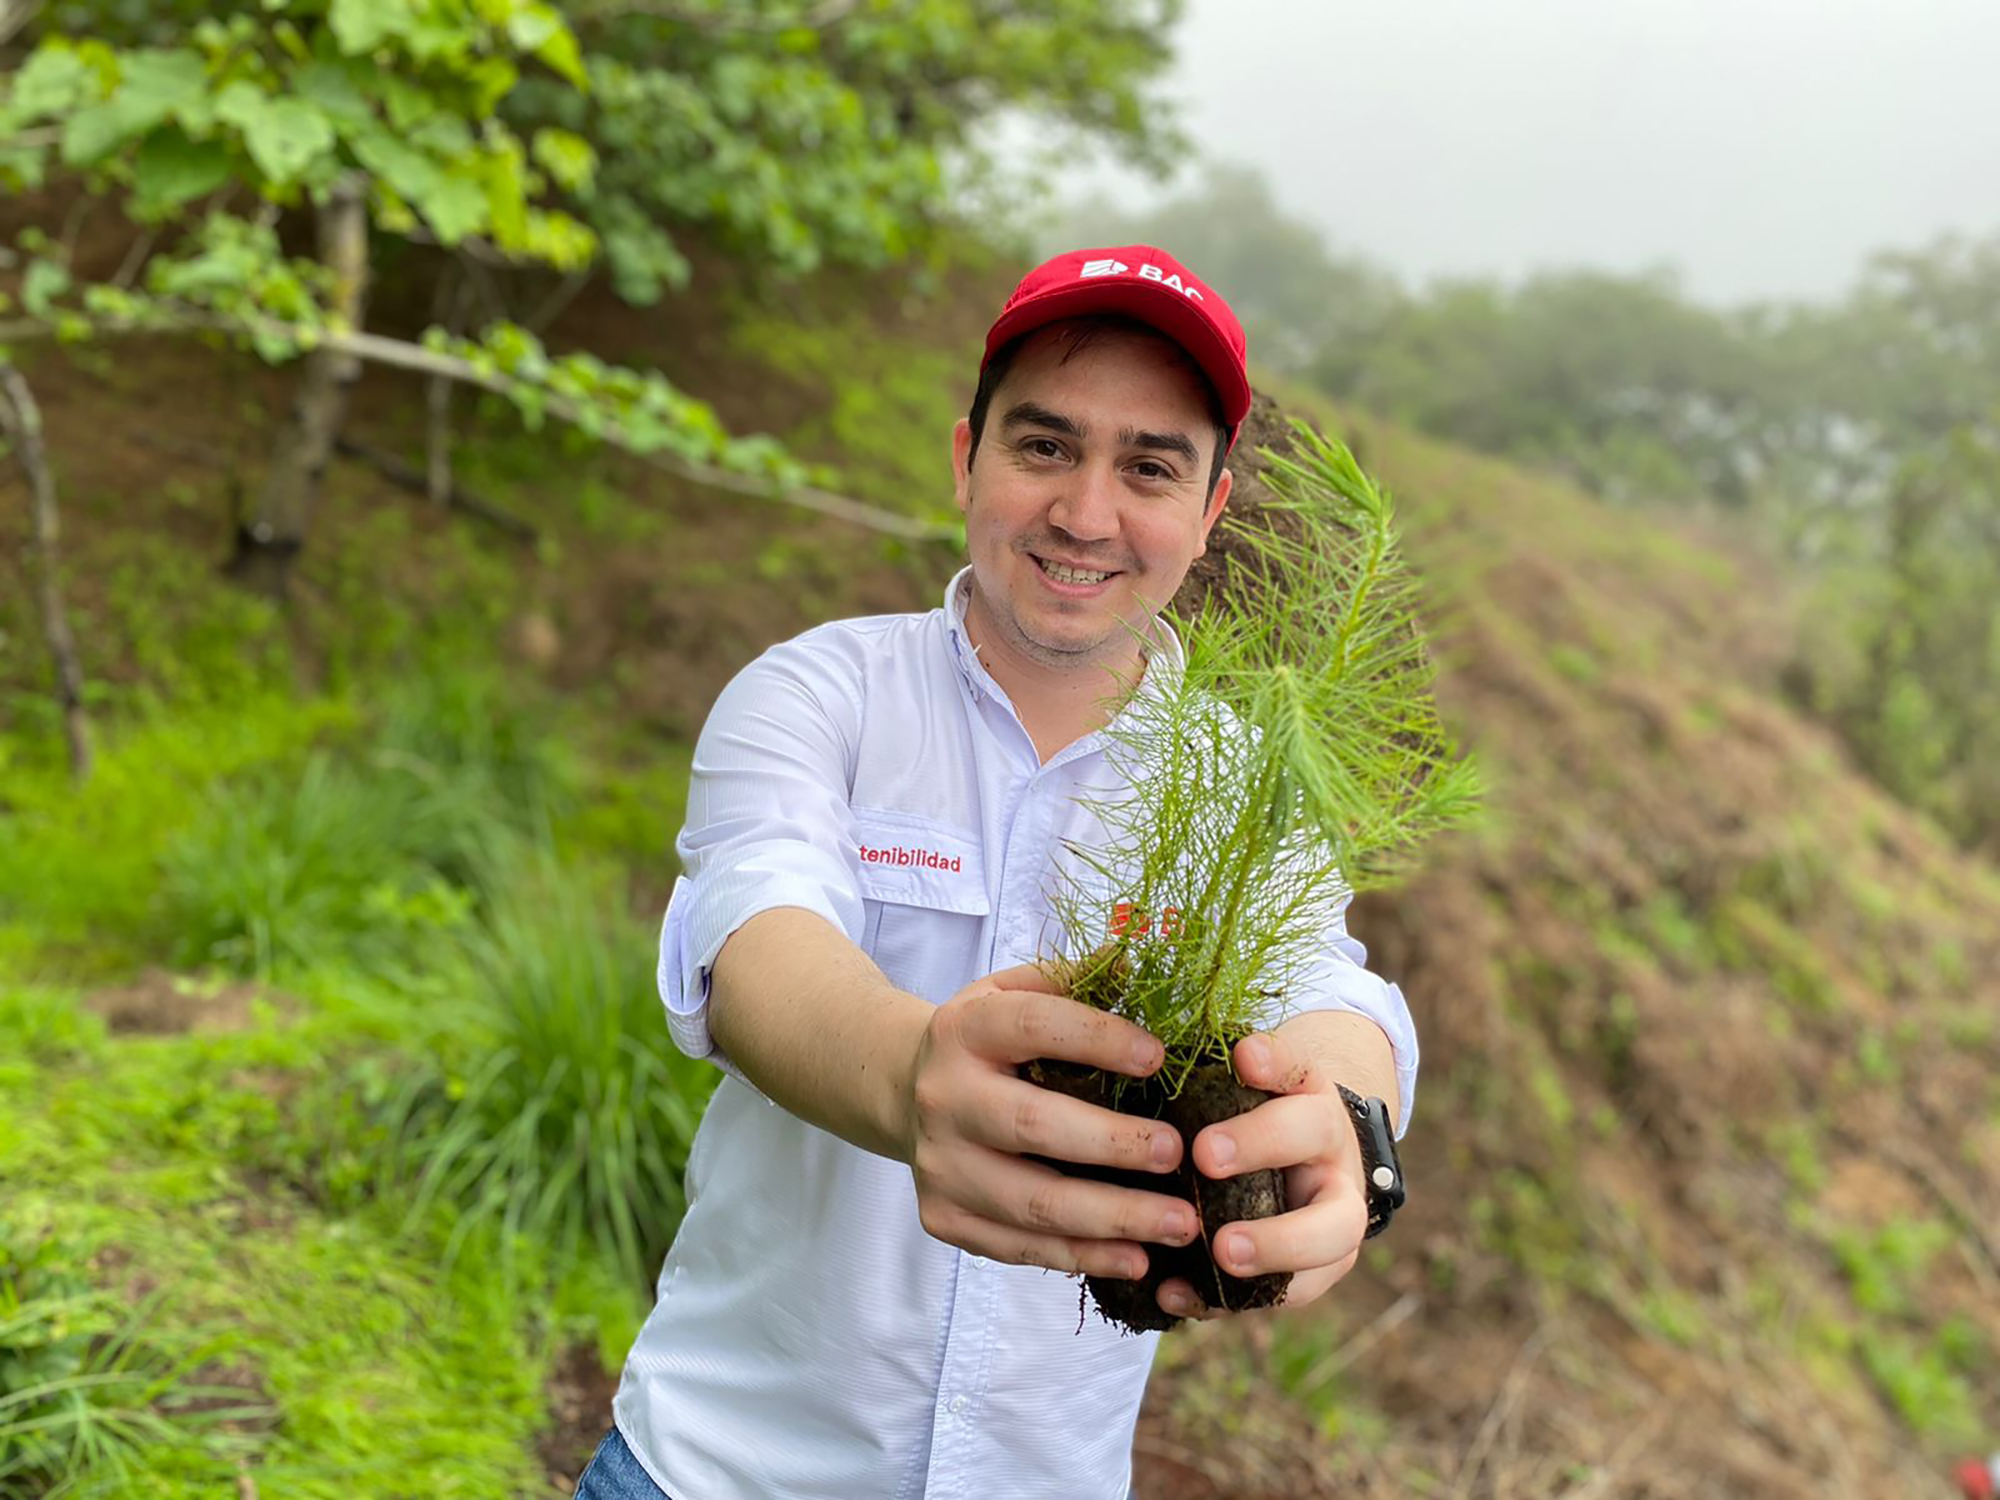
{"points": [[1291, 755]]}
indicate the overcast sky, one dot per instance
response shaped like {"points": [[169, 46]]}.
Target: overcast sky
{"points": [[1763, 147]]}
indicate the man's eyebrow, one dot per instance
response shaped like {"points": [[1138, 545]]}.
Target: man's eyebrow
{"points": [[1163, 442], [1028, 414]]}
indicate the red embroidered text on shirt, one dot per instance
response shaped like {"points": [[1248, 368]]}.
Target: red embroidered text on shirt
{"points": [[1130, 920], [928, 859]]}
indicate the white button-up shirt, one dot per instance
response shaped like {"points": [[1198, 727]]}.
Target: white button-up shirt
{"points": [[811, 1341]]}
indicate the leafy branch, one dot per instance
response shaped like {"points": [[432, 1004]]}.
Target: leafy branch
{"points": [[273, 309]]}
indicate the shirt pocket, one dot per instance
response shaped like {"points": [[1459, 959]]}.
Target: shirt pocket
{"points": [[925, 902]]}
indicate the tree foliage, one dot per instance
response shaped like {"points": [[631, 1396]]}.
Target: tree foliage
{"points": [[282, 104], [519, 132], [801, 134], [793, 133], [1909, 666], [204, 131]]}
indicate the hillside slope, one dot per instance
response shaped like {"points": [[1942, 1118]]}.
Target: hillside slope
{"points": [[1706, 1160]]}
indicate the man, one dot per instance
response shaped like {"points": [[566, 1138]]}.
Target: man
{"points": [[859, 1304]]}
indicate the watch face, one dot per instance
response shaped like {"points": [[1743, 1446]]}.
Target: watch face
{"points": [[1378, 1151], [1376, 1136]]}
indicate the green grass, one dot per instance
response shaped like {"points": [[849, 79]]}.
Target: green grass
{"points": [[1884, 1268], [567, 1113], [1922, 1380], [354, 1207], [87, 1393], [79, 866], [387, 1369], [879, 390]]}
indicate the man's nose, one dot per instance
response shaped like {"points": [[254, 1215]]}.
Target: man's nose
{"points": [[1087, 509]]}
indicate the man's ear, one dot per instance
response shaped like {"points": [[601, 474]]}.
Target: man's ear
{"points": [[961, 462], [1223, 484]]}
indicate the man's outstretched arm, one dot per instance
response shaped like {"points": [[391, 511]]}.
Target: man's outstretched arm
{"points": [[810, 1020]]}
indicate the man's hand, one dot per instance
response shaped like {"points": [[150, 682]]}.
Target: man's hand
{"points": [[971, 1122], [1307, 1133]]}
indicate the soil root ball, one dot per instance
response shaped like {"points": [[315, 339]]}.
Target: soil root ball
{"points": [[1211, 1093]]}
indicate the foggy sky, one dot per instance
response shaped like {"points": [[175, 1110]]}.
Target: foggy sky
{"points": [[1762, 147]]}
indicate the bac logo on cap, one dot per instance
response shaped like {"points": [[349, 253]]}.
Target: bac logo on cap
{"points": [[1146, 273]]}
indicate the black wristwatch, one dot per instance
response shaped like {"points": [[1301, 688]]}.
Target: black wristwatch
{"points": [[1378, 1158]]}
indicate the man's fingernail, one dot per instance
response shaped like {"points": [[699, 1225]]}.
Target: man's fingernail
{"points": [[1222, 1151], [1180, 1304], [1166, 1150], [1144, 1056], [1256, 1055], [1237, 1250]]}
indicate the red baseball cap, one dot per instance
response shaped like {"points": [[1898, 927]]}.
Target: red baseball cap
{"points": [[1142, 282]]}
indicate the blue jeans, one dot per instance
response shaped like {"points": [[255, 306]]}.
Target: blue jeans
{"points": [[614, 1474]]}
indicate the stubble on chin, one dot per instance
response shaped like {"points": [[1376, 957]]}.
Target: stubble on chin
{"points": [[1109, 648], [1059, 655]]}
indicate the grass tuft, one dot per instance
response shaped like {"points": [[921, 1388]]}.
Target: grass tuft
{"points": [[85, 1392], [572, 1116]]}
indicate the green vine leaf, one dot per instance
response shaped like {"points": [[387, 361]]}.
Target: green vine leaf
{"points": [[52, 81], [453, 206], [44, 282], [362, 25], [170, 170], [413, 175], [151, 86], [566, 156], [335, 89], [285, 137]]}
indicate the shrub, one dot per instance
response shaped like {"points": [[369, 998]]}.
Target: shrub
{"points": [[359, 852], [333, 862], [572, 1114]]}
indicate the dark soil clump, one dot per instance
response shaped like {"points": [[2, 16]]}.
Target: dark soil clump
{"points": [[1211, 1093]]}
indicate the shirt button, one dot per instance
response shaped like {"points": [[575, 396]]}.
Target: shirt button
{"points": [[979, 1262], [957, 1405]]}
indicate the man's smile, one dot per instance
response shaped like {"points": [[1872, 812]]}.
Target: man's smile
{"points": [[1073, 580]]}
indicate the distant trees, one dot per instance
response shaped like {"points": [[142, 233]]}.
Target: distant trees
{"points": [[1301, 303], [1913, 677], [1863, 433], [1614, 379]]}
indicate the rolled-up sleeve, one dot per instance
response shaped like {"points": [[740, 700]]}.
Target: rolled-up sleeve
{"points": [[767, 822], [1338, 979]]}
